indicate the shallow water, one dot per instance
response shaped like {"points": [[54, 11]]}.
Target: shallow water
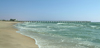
{"points": [[62, 35]]}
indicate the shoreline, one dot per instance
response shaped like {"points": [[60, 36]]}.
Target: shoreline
{"points": [[10, 39]]}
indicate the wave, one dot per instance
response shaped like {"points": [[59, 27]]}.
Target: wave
{"points": [[61, 35]]}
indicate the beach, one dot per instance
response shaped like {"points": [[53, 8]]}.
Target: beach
{"points": [[10, 39]]}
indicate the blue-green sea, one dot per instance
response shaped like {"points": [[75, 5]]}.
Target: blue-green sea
{"points": [[62, 35]]}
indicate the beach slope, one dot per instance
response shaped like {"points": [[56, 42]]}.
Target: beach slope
{"points": [[10, 39]]}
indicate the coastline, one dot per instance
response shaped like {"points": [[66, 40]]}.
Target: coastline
{"points": [[10, 39]]}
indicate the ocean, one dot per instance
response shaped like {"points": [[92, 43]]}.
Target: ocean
{"points": [[62, 35]]}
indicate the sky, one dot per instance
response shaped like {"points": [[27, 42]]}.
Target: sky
{"points": [[50, 10]]}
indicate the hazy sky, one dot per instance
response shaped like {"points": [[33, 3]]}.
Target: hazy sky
{"points": [[81, 10]]}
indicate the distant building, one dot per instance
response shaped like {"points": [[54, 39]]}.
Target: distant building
{"points": [[3, 20], [13, 19]]}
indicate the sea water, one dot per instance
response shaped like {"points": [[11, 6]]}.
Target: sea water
{"points": [[62, 35]]}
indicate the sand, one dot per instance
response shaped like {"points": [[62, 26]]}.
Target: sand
{"points": [[10, 39]]}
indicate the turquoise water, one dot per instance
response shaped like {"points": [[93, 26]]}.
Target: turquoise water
{"points": [[62, 35]]}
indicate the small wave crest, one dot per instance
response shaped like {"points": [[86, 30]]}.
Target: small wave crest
{"points": [[61, 23]]}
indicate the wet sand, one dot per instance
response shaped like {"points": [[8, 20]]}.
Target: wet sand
{"points": [[10, 39]]}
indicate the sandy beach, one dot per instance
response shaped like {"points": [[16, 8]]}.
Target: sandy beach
{"points": [[10, 39]]}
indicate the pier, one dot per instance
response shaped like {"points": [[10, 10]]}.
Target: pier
{"points": [[58, 21], [51, 21]]}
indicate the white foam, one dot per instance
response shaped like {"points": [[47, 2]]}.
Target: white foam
{"points": [[78, 38], [93, 26], [61, 23]]}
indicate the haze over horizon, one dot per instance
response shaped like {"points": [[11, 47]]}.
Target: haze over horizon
{"points": [[73, 10]]}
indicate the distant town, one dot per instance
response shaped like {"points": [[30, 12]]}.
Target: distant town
{"points": [[9, 20]]}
